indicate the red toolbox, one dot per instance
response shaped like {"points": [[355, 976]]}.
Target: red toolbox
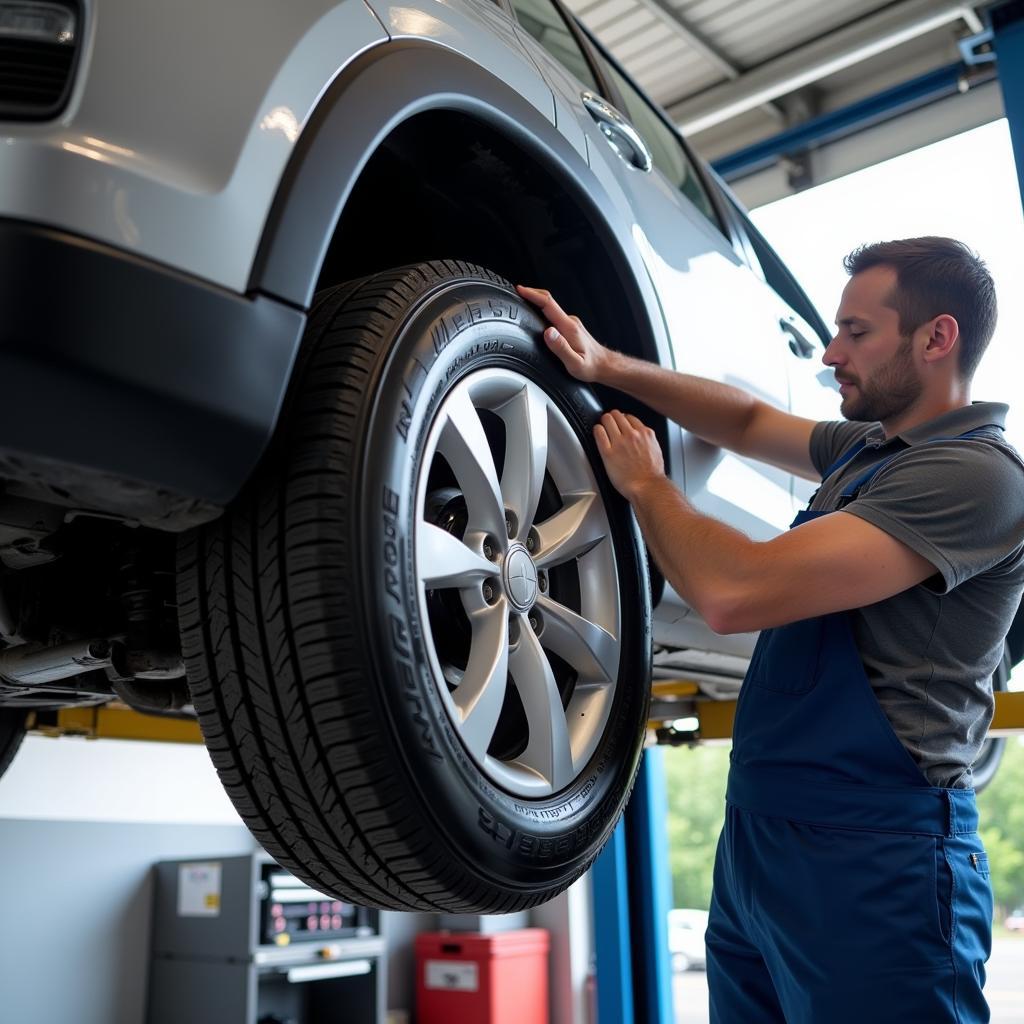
{"points": [[472, 978]]}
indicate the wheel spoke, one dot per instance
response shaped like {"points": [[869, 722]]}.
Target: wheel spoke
{"points": [[588, 647], [572, 531], [442, 560], [464, 444], [481, 694], [526, 454], [548, 750]]}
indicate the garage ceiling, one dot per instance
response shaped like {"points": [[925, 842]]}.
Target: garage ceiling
{"points": [[734, 72]]}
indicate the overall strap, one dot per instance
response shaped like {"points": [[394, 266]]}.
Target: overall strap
{"points": [[851, 453], [851, 490], [843, 459]]}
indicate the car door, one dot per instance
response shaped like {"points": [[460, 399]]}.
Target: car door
{"points": [[813, 391], [722, 319]]}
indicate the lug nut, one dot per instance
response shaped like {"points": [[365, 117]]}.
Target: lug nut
{"points": [[531, 542], [510, 525], [488, 593], [488, 550], [542, 582], [535, 623]]}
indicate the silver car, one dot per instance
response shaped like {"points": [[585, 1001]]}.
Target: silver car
{"points": [[281, 449]]}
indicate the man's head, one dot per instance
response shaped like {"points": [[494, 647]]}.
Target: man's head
{"points": [[915, 318]]}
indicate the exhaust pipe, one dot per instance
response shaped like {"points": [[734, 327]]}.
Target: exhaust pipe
{"points": [[36, 664]]}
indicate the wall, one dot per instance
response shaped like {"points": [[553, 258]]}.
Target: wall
{"points": [[80, 824]]}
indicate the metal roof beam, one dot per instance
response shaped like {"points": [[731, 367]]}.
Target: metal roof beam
{"points": [[696, 40], [863, 39]]}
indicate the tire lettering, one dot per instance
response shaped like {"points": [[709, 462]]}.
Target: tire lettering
{"points": [[539, 848], [439, 336], [499, 831], [445, 328], [404, 420], [411, 692], [471, 353], [391, 580], [399, 636], [503, 310]]}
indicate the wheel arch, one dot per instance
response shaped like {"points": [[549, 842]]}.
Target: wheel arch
{"points": [[393, 103], [419, 104]]}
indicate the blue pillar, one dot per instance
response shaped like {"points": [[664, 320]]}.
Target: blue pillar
{"points": [[651, 889], [1008, 40], [632, 896], [612, 932]]}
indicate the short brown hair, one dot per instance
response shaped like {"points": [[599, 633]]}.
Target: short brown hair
{"points": [[934, 276]]}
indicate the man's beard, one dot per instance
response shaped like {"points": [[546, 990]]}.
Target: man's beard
{"points": [[892, 389]]}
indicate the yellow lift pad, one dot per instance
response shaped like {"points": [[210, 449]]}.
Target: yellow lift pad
{"points": [[117, 722], [716, 716]]}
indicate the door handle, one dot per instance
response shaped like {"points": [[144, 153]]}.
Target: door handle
{"points": [[621, 135], [798, 344]]}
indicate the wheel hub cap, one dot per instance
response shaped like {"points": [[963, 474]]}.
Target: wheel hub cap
{"points": [[520, 578], [528, 676]]}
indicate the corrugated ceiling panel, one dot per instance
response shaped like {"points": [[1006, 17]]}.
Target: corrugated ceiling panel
{"points": [[640, 46], [753, 32], [666, 84], [640, 20], [606, 12], [584, 8], [767, 36]]}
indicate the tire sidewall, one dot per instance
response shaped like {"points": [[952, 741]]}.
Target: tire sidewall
{"points": [[460, 328]]}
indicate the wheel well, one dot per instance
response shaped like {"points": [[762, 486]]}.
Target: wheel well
{"points": [[445, 185]]}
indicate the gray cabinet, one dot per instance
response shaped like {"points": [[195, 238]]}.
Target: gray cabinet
{"points": [[239, 940]]}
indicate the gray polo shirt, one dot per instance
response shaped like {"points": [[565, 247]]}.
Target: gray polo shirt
{"points": [[930, 651]]}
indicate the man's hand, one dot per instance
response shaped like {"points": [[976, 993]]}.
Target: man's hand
{"points": [[630, 452], [581, 354]]}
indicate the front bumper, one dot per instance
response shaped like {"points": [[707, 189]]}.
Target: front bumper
{"points": [[128, 387]]}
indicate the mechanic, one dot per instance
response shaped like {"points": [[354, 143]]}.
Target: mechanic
{"points": [[850, 883]]}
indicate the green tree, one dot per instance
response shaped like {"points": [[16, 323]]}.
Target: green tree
{"points": [[1001, 808], [695, 779]]}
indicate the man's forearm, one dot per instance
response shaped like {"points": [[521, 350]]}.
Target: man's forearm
{"points": [[716, 412], [707, 563]]}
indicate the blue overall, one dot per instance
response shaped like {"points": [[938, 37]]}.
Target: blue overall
{"points": [[846, 887]]}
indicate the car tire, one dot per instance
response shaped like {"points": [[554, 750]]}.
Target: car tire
{"points": [[347, 643], [13, 722], [991, 754]]}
